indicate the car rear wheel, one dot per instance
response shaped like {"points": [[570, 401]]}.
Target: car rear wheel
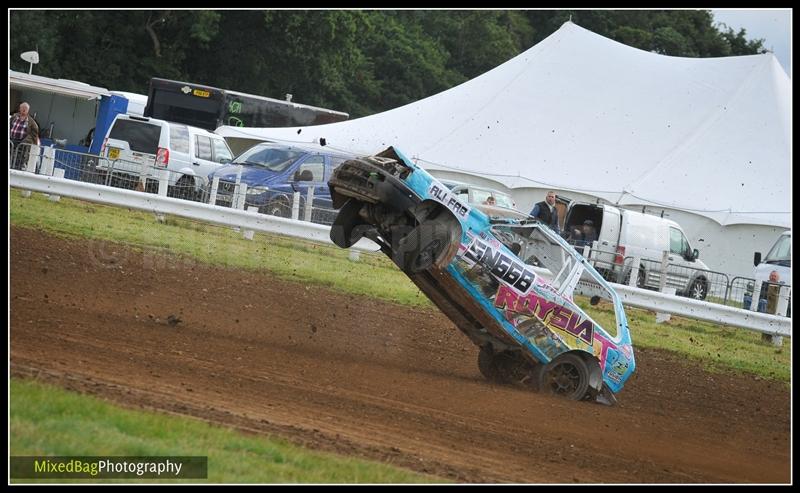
{"points": [[640, 278], [276, 207], [567, 376], [506, 367], [184, 188], [488, 365]]}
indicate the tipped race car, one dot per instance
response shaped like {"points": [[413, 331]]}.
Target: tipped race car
{"points": [[506, 282]]}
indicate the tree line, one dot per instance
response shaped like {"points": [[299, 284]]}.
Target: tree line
{"points": [[357, 61]]}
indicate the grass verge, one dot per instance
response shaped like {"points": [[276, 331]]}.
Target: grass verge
{"points": [[49, 421]]}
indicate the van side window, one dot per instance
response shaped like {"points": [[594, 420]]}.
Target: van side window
{"points": [[678, 244], [203, 147], [315, 165], [179, 138], [221, 151]]}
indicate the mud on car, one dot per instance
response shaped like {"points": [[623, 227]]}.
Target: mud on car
{"points": [[506, 282]]}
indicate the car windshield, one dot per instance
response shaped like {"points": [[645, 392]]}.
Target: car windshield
{"points": [[500, 199], [781, 253], [271, 158], [564, 270]]}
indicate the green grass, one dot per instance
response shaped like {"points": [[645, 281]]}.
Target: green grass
{"points": [[49, 421], [719, 348], [374, 275]]}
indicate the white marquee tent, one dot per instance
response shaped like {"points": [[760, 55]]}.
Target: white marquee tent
{"points": [[584, 114]]}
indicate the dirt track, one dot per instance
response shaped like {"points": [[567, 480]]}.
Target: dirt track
{"points": [[365, 378]]}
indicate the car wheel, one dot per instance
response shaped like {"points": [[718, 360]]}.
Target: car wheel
{"points": [[276, 207], [184, 188], [496, 367], [419, 249], [345, 231], [567, 376], [698, 290], [640, 277]]}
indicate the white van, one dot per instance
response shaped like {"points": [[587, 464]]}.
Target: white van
{"points": [[778, 259], [138, 148], [623, 235]]}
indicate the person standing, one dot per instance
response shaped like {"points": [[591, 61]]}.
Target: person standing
{"points": [[546, 211], [24, 133]]}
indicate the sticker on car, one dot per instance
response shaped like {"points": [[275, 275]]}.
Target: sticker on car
{"points": [[441, 194]]}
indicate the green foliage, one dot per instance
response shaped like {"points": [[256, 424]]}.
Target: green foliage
{"points": [[357, 61]]}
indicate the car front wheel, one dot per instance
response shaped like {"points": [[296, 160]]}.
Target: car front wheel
{"points": [[567, 376], [698, 290]]}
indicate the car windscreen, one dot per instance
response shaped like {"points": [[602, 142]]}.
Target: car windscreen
{"points": [[273, 159], [480, 196], [781, 253], [561, 266], [140, 136]]}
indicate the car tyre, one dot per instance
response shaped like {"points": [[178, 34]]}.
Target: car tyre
{"points": [[184, 188], [489, 367], [567, 376], [698, 290], [418, 250], [277, 207], [345, 231]]}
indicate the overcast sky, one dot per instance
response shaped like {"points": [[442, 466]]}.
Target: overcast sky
{"points": [[774, 26]]}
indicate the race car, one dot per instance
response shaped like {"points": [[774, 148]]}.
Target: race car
{"points": [[508, 283]]}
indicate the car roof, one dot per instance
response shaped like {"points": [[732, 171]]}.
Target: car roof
{"points": [[453, 184], [147, 119], [307, 147]]}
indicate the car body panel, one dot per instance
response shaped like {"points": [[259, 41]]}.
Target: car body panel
{"points": [[266, 186]]}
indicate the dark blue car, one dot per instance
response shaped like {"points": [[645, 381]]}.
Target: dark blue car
{"points": [[273, 172]]}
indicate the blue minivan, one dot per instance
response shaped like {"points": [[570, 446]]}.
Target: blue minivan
{"points": [[273, 172]]}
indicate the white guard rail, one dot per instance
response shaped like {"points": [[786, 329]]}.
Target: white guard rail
{"points": [[696, 309], [631, 296], [178, 207]]}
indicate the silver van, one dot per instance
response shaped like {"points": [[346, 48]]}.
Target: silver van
{"points": [[137, 150], [623, 235]]}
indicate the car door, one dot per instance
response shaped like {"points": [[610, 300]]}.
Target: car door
{"points": [[683, 270], [210, 153], [310, 173]]}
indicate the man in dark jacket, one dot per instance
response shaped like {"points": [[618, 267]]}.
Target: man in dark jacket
{"points": [[24, 133], [546, 211]]}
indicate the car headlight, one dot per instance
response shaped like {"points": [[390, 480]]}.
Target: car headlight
{"points": [[257, 190]]}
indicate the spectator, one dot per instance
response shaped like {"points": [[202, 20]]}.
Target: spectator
{"points": [[586, 234], [546, 211], [24, 132], [89, 137], [489, 200], [773, 290]]}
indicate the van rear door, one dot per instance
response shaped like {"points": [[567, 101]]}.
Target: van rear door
{"points": [[608, 237], [132, 144]]}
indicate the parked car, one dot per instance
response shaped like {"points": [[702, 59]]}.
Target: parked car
{"points": [[137, 148], [478, 270], [779, 261], [494, 202], [273, 172], [623, 234]]}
